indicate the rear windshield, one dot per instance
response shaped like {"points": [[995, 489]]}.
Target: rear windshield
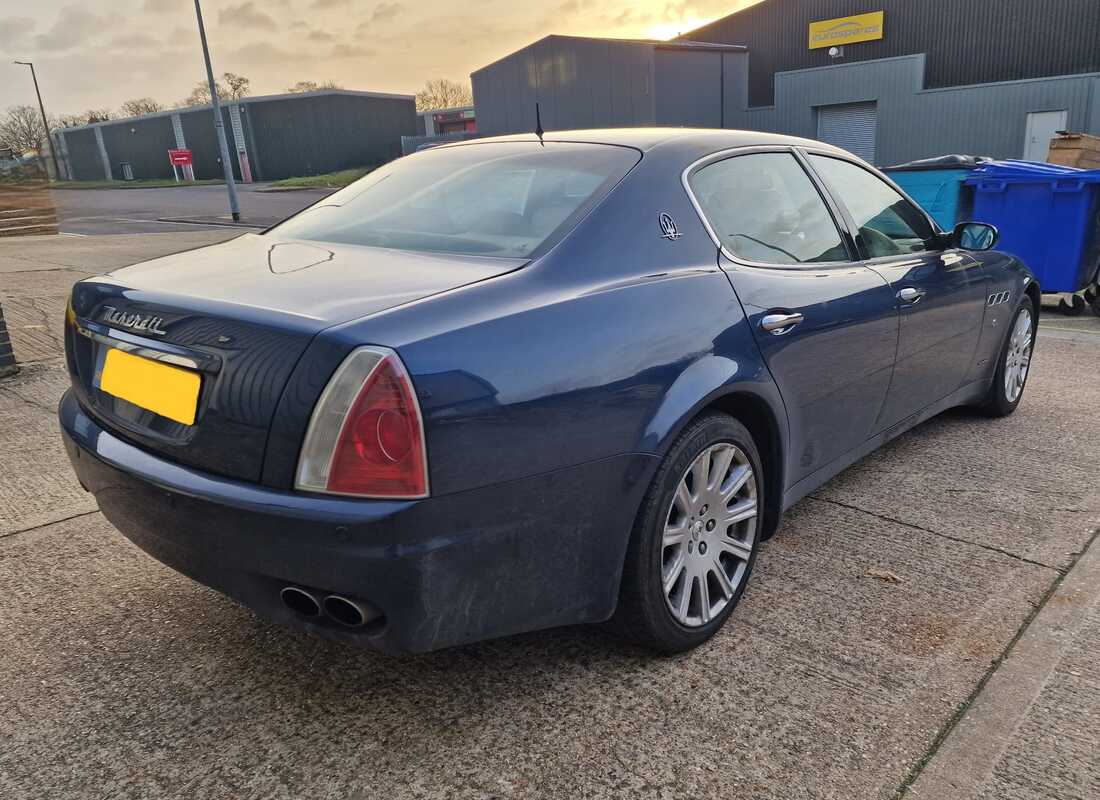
{"points": [[494, 199]]}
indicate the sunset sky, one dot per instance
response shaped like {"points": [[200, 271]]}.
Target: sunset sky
{"points": [[98, 53]]}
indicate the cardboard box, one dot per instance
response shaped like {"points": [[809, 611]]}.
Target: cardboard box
{"points": [[1075, 150]]}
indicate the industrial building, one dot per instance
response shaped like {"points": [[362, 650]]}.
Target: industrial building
{"points": [[890, 80], [447, 121], [269, 137]]}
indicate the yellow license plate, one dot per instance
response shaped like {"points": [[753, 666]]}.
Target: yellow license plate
{"points": [[169, 391]]}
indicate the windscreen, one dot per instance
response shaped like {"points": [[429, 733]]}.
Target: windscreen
{"points": [[494, 199]]}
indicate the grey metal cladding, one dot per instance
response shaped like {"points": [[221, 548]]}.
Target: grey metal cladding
{"points": [[914, 123], [284, 135], [84, 155], [688, 88], [967, 41], [198, 130], [142, 142], [577, 82], [324, 134]]}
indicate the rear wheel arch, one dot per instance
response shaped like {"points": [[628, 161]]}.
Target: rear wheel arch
{"points": [[758, 417]]}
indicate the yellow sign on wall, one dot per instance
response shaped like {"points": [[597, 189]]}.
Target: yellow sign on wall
{"points": [[847, 30]]}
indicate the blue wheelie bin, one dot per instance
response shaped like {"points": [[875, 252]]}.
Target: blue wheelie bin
{"points": [[939, 186], [1047, 216]]}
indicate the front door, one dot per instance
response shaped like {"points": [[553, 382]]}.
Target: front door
{"points": [[940, 294], [1042, 126], [825, 323]]}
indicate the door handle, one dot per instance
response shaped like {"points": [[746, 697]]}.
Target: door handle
{"points": [[778, 324], [910, 295]]}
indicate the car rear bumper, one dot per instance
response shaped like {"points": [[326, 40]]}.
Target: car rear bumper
{"points": [[533, 553]]}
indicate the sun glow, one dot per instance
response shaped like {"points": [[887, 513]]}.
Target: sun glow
{"points": [[670, 30]]}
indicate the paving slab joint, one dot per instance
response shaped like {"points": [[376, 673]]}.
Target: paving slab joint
{"points": [[42, 525], [960, 711], [959, 539]]}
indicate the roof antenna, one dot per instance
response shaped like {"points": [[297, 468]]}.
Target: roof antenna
{"points": [[538, 125]]}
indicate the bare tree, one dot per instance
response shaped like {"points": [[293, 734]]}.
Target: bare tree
{"points": [[71, 120], [312, 86], [231, 87], [237, 85], [200, 94], [139, 106], [87, 118], [21, 130], [443, 93]]}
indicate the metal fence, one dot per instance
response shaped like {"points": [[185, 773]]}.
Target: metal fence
{"points": [[410, 144]]}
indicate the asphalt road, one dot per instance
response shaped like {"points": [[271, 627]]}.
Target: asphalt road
{"points": [[91, 212], [925, 625]]}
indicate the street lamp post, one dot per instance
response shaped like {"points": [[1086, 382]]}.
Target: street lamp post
{"points": [[219, 126], [45, 123]]}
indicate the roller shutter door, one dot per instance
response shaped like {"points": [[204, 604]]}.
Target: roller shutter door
{"points": [[851, 126]]}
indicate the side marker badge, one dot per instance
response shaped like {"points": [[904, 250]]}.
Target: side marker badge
{"points": [[668, 227]]}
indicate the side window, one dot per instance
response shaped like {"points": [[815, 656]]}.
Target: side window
{"points": [[764, 208], [888, 223]]}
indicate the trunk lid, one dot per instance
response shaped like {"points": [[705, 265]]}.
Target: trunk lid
{"points": [[239, 315]]}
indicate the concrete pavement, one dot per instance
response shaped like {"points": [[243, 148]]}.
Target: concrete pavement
{"points": [[36, 273], [121, 211], [120, 678], [1035, 722]]}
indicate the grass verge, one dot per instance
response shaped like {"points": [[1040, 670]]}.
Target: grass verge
{"points": [[330, 180]]}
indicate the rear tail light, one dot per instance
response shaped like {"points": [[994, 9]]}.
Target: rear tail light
{"points": [[366, 437]]}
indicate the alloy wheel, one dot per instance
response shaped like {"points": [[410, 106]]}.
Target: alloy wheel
{"points": [[1018, 358], [709, 534]]}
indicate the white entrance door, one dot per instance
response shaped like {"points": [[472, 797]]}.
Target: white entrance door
{"points": [[1041, 128]]}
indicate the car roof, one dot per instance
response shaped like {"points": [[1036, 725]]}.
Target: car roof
{"points": [[650, 138]]}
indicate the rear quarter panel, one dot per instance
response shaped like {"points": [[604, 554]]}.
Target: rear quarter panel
{"points": [[575, 380], [607, 345]]}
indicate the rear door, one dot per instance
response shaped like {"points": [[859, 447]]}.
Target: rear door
{"points": [[825, 323], [940, 293]]}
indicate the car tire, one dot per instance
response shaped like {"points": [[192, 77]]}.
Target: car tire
{"points": [[1092, 296], [1000, 401], [1074, 308], [645, 612]]}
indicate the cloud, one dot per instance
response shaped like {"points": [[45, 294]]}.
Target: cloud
{"points": [[246, 15], [628, 16], [72, 28], [351, 51], [573, 6], [324, 4], [14, 30], [320, 36], [261, 53], [385, 12], [161, 6], [135, 41]]}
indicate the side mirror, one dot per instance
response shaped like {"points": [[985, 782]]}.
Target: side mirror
{"points": [[975, 236]]}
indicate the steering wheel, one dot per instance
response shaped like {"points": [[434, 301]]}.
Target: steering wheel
{"points": [[878, 243]]}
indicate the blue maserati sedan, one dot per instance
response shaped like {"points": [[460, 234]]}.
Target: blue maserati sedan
{"points": [[524, 382]]}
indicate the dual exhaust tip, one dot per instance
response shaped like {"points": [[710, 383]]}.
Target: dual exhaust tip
{"points": [[349, 613]]}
